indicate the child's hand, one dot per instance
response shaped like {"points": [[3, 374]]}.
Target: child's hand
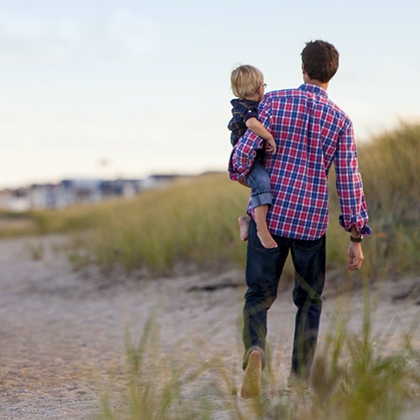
{"points": [[271, 146]]}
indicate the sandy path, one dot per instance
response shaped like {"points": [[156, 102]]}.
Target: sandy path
{"points": [[62, 332]]}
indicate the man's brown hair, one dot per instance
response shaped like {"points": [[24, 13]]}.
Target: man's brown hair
{"points": [[320, 60]]}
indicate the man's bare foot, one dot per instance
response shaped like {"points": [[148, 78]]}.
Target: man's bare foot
{"points": [[244, 227], [266, 239], [251, 385]]}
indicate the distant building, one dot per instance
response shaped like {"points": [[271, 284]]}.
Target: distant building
{"points": [[158, 181], [121, 188], [14, 200], [41, 196], [5, 197], [78, 191]]}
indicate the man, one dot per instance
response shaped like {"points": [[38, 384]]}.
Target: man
{"points": [[311, 134]]}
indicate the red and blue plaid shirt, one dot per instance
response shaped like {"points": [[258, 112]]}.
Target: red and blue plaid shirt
{"points": [[311, 133]]}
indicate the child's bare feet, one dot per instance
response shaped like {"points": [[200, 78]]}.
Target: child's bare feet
{"points": [[251, 384], [244, 227], [266, 239]]}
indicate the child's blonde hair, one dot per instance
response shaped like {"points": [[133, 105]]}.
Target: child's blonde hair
{"points": [[245, 80]]}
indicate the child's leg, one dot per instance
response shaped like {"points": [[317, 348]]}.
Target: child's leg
{"points": [[259, 180], [243, 222], [262, 229]]}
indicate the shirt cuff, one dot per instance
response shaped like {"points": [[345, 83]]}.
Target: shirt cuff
{"points": [[361, 226]]}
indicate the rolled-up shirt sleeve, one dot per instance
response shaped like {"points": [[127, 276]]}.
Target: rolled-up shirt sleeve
{"points": [[243, 155], [349, 184]]}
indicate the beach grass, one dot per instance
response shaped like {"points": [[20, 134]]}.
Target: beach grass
{"points": [[357, 375], [195, 220]]}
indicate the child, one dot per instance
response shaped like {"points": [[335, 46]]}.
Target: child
{"points": [[248, 86]]}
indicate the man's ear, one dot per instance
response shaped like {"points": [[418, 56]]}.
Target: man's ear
{"points": [[303, 69]]}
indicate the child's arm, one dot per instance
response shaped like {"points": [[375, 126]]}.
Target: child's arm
{"points": [[256, 127]]}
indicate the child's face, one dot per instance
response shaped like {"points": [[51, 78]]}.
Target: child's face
{"points": [[261, 91]]}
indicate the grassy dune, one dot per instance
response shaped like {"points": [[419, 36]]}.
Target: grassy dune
{"points": [[391, 169], [195, 220]]}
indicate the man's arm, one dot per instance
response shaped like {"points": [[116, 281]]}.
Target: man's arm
{"points": [[354, 217], [349, 184]]}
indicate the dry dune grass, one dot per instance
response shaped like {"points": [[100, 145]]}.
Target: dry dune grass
{"points": [[196, 220], [65, 307]]}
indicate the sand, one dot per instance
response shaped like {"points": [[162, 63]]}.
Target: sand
{"points": [[63, 330]]}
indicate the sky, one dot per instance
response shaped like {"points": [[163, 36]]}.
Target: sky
{"points": [[124, 88]]}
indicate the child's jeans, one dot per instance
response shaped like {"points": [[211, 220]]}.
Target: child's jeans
{"points": [[259, 181]]}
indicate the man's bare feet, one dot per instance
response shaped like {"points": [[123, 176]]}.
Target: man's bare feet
{"points": [[243, 222], [251, 385], [266, 239]]}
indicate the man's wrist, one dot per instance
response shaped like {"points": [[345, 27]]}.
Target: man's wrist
{"points": [[355, 235]]}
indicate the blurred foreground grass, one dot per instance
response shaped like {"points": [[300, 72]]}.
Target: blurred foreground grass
{"points": [[195, 220], [357, 375]]}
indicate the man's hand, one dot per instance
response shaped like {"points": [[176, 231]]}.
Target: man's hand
{"points": [[355, 256], [270, 145]]}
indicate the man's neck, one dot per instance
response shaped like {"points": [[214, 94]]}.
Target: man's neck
{"points": [[317, 83], [314, 82]]}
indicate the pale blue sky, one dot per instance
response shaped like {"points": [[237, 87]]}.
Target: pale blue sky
{"points": [[144, 85]]}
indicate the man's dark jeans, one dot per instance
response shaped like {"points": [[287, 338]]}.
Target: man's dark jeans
{"points": [[263, 271]]}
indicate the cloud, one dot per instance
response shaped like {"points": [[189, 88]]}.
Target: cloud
{"points": [[131, 34], [121, 34], [26, 38]]}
